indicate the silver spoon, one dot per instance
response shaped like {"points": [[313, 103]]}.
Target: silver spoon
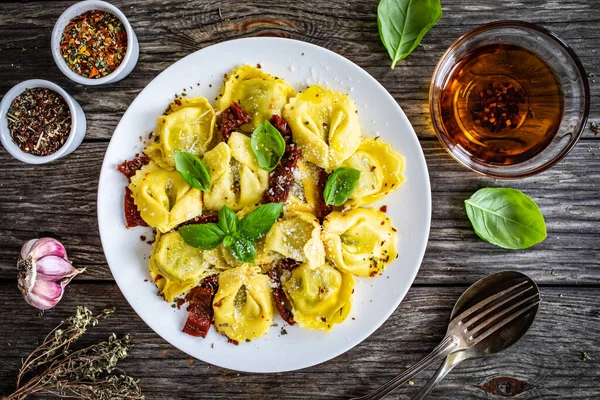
{"points": [[501, 340], [491, 315]]}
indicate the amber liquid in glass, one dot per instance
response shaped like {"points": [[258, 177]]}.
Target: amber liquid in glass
{"points": [[501, 83]]}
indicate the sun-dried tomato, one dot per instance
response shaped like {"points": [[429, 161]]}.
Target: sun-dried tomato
{"points": [[287, 264], [200, 311], [231, 119], [132, 214], [129, 168], [323, 209]]}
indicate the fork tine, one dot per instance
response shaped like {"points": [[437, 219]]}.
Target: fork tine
{"points": [[496, 306], [505, 321], [487, 301], [496, 317]]}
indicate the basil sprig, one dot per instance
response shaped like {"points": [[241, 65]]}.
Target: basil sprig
{"points": [[403, 23], [267, 145], [340, 185], [506, 217], [192, 170], [238, 235]]}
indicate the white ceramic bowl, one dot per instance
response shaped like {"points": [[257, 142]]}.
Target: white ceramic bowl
{"points": [[78, 123], [131, 55]]}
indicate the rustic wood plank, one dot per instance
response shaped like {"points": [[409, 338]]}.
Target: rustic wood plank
{"points": [[548, 360], [167, 31], [59, 199]]}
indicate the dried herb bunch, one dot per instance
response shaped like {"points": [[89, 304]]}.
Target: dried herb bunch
{"points": [[89, 373]]}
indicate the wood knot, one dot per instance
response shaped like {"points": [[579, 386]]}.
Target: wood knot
{"points": [[505, 386], [266, 27]]}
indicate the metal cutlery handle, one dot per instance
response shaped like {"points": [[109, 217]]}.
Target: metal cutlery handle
{"points": [[451, 361], [447, 345]]}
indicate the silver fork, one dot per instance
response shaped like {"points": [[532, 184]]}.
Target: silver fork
{"points": [[471, 327]]}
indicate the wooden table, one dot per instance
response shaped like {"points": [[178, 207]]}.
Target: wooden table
{"points": [[59, 200]]}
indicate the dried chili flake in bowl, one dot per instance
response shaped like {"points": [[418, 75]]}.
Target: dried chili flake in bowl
{"points": [[94, 44], [39, 121], [497, 106]]}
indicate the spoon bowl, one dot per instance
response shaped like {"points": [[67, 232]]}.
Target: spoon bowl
{"points": [[501, 339], [490, 316]]}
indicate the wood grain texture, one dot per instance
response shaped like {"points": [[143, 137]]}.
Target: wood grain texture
{"points": [[60, 200], [168, 31], [548, 360]]}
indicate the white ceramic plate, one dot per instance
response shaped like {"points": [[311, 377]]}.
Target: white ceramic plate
{"points": [[300, 64]]}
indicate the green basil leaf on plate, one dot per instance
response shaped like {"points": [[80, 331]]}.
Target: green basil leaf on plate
{"points": [[228, 241], [260, 220], [403, 23], [228, 221], [267, 145], [192, 170], [506, 217], [202, 236], [243, 249], [340, 185]]}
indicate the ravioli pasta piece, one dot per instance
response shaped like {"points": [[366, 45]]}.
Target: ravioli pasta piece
{"points": [[380, 169], [319, 295], [361, 241], [236, 179], [188, 127], [298, 236], [163, 198], [243, 305], [324, 125], [304, 192], [176, 267], [258, 93]]}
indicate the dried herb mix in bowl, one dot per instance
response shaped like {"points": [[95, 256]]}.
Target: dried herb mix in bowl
{"points": [[94, 44], [39, 121]]}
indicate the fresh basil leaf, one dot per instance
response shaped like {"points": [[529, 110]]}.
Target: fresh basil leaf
{"points": [[506, 217], [228, 241], [228, 221], [260, 220], [267, 145], [340, 185], [403, 23], [243, 249], [192, 170], [203, 236]]}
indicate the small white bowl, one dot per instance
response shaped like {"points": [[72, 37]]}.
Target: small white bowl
{"points": [[131, 55], [78, 123]]}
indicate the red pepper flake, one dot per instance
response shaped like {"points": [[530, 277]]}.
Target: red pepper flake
{"points": [[39, 121], [497, 106], [94, 44], [383, 208]]}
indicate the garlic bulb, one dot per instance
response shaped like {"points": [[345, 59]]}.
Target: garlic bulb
{"points": [[44, 271]]}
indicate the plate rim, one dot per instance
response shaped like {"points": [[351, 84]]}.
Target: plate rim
{"points": [[428, 206]]}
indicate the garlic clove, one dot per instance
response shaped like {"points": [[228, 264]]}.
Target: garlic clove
{"points": [[55, 268], [47, 247], [44, 294], [27, 248]]}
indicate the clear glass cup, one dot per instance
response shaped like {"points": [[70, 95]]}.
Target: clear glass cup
{"points": [[570, 75]]}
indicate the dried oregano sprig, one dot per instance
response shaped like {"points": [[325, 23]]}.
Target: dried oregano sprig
{"points": [[85, 373]]}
